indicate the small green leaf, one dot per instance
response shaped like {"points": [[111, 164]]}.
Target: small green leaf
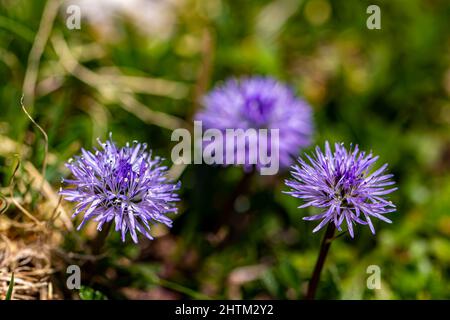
{"points": [[87, 293]]}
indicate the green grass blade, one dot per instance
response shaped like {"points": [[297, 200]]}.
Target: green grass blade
{"points": [[10, 288]]}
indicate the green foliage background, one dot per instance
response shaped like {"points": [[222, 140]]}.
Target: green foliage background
{"points": [[386, 90]]}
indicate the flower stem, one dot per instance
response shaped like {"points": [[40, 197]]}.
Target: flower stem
{"points": [[227, 216], [241, 189], [324, 248], [91, 269], [100, 239]]}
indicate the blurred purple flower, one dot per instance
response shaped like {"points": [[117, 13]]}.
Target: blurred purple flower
{"points": [[124, 185], [260, 103], [343, 185]]}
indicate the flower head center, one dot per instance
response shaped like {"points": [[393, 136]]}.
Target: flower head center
{"points": [[257, 111], [344, 190], [125, 187]]}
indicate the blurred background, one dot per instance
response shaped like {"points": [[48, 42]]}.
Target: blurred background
{"points": [[139, 68]]}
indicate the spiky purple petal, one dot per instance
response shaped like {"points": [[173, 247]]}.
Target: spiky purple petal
{"points": [[260, 103], [343, 184], [124, 186]]}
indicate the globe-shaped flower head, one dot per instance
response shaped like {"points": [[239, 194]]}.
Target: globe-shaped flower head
{"points": [[343, 184], [260, 103], [121, 185]]}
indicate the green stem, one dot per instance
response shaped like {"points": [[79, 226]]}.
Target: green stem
{"points": [[100, 239], [324, 248]]}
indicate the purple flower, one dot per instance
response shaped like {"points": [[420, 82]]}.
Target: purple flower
{"points": [[344, 186], [259, 103], [124, 185]]}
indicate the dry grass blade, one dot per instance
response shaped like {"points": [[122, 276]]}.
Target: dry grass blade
{"points": [[147, 115], [108, 89], [44, 162], [3, 204], [15, 202], [30, 263], [9, 146], [34, 57], [50, 194]]}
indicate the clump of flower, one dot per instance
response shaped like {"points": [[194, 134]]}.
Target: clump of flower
{"points": [[124, 186], [344, 185], [259, 103]]}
